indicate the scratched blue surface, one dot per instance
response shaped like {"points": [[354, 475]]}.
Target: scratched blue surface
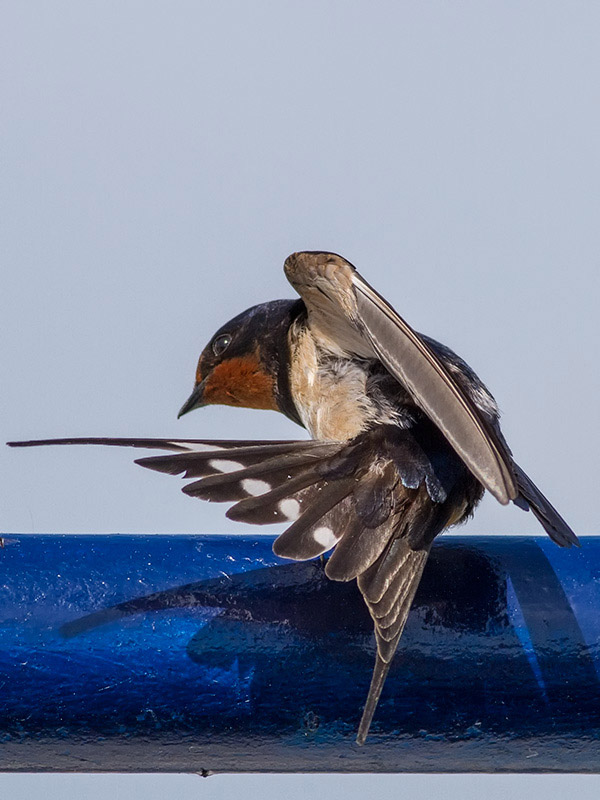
{"points": [[133, 652]]}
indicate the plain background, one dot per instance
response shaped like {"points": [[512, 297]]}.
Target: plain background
{"points": [[159, 162]]}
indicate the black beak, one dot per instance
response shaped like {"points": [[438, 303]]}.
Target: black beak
{"points": [[195, 400]]}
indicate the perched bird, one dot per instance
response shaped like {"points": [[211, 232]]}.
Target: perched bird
{"points": [[405, 440]]}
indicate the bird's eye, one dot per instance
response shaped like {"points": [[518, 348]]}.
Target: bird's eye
{"points": [[221, 343]]}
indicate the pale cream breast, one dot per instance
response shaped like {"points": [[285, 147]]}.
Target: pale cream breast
{"points": [[329, 393]]}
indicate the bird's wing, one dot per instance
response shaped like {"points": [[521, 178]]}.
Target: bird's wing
{"points": [[348, 316], [376, 500]]}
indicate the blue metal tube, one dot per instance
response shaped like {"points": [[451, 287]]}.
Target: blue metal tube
{"points": [[208, 653]]}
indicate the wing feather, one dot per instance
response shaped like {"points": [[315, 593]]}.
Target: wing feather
{"points": [[344, 308], [530, 497]]}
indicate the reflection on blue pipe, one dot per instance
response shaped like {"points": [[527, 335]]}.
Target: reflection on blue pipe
{"points": [[192, 653], [517, 620]]}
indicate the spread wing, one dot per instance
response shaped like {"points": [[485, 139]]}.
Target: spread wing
{"points": [[350, 317], [376, 500]]}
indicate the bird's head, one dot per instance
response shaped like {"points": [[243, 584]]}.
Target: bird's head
{"points": [[246, 361]]}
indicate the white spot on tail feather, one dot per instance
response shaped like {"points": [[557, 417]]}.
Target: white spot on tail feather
{"points": [[290, 508], [325, 537], [222, 465], [255, 487]]}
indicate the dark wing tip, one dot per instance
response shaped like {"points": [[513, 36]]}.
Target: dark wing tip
{"points": [[530, 497], [563, 536]]}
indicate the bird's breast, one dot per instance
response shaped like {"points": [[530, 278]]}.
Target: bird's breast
{"points": [[329, 392]]}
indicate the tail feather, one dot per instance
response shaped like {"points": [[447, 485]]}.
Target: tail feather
{"points": [[199, 464], [178, 445], [320, 526], [357, 551], [254, 480], [272, 507]]}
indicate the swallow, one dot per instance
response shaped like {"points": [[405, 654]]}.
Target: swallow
{"points": [[405, 440]]}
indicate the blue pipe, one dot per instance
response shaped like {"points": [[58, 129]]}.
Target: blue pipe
{"points": [[209, 653]]}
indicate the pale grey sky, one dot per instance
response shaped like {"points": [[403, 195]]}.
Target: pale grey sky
{"points": [[160, 160]]}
